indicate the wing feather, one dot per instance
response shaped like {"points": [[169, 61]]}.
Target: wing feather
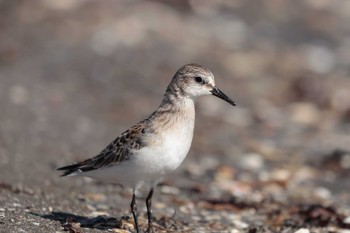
{"points": [[116, 152]]}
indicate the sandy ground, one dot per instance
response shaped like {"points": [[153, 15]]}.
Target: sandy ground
{"points": [[75, 74]]}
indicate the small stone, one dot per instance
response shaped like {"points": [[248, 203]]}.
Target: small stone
{"points": [[98, 213], [224, 173], [102, 206], [235, 231], [323, 193], [304, 113], [320, 59], [95, 197], [16, 205], [302, 230], [187, 209], [304, 173], [116, 230], [90, 207], [347, 220], [211, 217], [159, 205], [251, 161], [241, 225], [280, 175], [273, 188], [170, 190], [127, 226], [196, 218]]}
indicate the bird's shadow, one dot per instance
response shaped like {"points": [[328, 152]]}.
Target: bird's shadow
{"points": [[72, 221]]}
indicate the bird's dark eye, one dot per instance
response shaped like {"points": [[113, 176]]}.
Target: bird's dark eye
{"points": [[199, 79]]}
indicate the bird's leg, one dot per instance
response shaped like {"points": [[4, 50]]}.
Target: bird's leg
{"points": [[133, 211], [149, 210]]}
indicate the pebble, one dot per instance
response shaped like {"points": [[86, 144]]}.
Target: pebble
{"points": [[240, 224], [170, 190], [304, 173], [347, 220], [235, 231], [236, 188], [91, 207], [302, 230], [304, 113], [102, 206], [98, 213], [323, 193], [273, 188], [160, 205], [224, 173], [95, 197], [280, 175], [16, 205], [320, 59], [251, 161], [187, 209], [196, 218], [211, 217], [119, 231]]}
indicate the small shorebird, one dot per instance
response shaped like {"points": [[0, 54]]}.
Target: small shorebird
{"points": [[157, 145]]}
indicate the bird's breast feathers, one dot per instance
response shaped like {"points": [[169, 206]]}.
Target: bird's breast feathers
{"points": [[167, 149]]}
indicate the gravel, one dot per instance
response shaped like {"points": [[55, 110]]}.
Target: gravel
{"points": [[75, 74]]}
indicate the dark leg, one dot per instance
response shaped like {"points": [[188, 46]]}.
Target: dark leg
{"points": [[133, 211], [149, 210]]}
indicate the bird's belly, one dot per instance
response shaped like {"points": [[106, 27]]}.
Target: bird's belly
{"points": [[174, 152], [168, 155]]}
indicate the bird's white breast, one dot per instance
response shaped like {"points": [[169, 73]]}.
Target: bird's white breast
{"points": [[177, 143], [168, 155], [171, 147]]}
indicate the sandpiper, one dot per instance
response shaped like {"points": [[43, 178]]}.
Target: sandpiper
{"points": [[155, 146]]}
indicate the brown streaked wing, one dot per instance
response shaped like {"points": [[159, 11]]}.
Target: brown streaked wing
{"points": [[117, 151]]}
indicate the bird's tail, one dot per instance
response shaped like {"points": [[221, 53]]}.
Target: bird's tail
{"points": [[70, 170]]}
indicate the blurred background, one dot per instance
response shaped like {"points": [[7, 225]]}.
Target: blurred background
{"points": [[75, 74]]}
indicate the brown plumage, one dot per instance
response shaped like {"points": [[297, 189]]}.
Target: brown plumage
{"points": [[117, 151]]}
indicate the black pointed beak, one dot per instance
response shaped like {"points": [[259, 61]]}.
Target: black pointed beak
{"points": [[218, 93]]}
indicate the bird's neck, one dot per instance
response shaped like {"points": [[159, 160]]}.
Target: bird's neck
{"points": [[174, 111], [176, 102]]}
